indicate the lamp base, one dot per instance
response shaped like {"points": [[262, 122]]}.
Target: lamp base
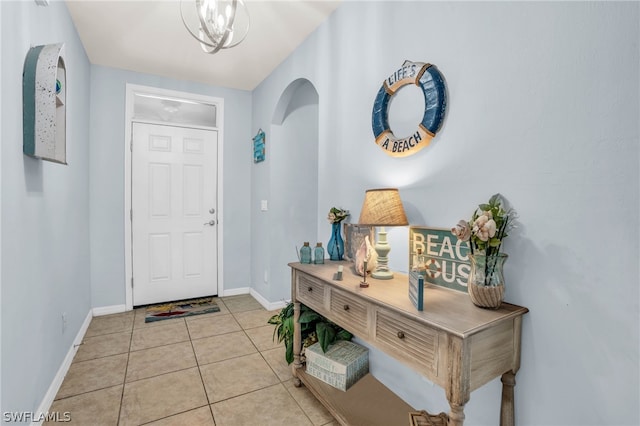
{"points": [[382, 275], [382, 248]]}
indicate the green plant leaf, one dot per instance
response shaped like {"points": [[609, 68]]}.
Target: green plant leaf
{"points": [[313, 326], [494, 242], [286, 330], [485, 207], [308, 317], [343, 335], [326, 335], [289, 351]]}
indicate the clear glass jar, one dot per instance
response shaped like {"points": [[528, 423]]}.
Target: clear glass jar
{"points": [[486, 280], [318, 254], [305, 253]]}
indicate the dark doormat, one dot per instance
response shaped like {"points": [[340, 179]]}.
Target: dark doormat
{"points": [[181, 309]]}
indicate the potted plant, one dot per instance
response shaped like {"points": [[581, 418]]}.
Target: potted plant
{"points": [[335, 246], [485, 232], [313, 327]]}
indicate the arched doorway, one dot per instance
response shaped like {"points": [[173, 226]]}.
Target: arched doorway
{"points": [[293, 180]]}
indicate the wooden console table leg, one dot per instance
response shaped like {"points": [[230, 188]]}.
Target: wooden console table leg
{"points": [[507, 412], [457, 389], [456, 415], [297, 345]]}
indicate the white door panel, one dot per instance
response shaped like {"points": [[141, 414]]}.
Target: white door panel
{"points": [[174, 238]]}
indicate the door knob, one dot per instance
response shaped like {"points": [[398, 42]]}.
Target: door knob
{"points": [[210, 223]]}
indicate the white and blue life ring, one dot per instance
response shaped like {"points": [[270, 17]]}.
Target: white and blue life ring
{"points": [[429, 79]]}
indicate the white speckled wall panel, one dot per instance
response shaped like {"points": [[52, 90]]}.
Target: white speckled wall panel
{"points": [[44, 109]]}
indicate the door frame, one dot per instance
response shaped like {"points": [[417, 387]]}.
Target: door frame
{"points": [[131, 90]]}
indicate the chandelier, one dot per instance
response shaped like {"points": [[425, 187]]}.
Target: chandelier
{"points": [[216, 24]]}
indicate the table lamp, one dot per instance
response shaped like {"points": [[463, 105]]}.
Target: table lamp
{"points": [[382, 207]]}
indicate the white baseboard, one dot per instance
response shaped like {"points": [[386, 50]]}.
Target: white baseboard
{"points": [[108, 310], [235, 291], [269, 306], [62, 371]]}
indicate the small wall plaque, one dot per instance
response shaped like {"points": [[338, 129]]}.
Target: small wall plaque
{"points": [[259, 147]]}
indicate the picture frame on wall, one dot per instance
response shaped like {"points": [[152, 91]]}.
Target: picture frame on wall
{"points": [[354, 235], [259, 146]]}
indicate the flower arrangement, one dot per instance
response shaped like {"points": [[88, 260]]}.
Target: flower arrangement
{"points": [[337, 215], [485, 232]]}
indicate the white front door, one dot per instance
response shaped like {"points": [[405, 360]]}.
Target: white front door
{"points": [[174, 213]]}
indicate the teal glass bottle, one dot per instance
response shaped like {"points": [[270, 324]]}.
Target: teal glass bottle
{"points": [[305, 253], [335, 247], [318, 254]]}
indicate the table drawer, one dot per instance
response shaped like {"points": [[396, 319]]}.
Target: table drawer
{"points": [[410, 341], [310, 291], [350, 313]]}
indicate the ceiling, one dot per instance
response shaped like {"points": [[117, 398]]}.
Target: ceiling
{"points": [[149, 37]]}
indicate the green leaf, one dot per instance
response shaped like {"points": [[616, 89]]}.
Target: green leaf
{"points": [[494, 242], [343, 335], [326, 335], [289, 351], [287, 311], [308, 316], [274, 319], [287, 329], [485, 207], [495, 199]]}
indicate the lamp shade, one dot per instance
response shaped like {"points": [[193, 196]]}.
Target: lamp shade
{"points": [[382, 207]]}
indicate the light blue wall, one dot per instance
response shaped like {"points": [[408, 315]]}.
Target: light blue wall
{"points": [[108, 87], [294, 193], [543, 108], [45, 214]]}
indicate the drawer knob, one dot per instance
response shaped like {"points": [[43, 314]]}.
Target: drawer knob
{"points": [[310, 289], [400, 335], [346, 307]]}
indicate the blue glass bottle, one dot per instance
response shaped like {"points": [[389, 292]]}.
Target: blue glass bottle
{"points": [[318, 254], [335, 248], [305, 253]]}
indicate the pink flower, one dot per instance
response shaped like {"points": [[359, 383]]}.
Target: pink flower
{"points": [[462, 231], [484, 229]]}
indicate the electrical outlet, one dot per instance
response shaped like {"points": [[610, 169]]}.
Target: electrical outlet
{"points": [[64, 322]]}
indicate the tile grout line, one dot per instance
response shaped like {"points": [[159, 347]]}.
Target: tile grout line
{"points": [[204, 388], [124, 379]]}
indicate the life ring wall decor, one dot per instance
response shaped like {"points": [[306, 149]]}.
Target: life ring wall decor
{"points": [[430, 80]]}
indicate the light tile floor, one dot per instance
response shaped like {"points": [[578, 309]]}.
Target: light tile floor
{"points": [[220, 369]]}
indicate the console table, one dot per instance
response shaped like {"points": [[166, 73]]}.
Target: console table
{"points": [[453, 343]]}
